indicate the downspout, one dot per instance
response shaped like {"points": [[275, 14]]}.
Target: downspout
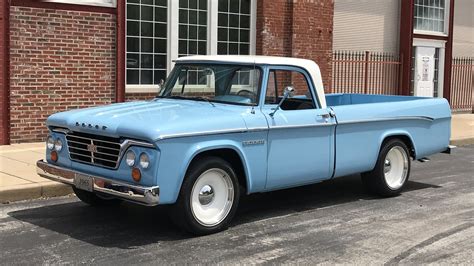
{"points": [[5, 33], [120, 52], [448, 56]]}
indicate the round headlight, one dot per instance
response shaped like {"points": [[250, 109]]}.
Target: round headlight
{"points": [[58, 145], [130, 158], [50, 143], [144, 160]]}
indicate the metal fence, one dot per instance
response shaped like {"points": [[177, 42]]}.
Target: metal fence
{"points": [[462, 83], [366, 72]]}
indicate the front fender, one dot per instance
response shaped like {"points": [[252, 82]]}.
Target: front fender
{"points": [[204, 146], [177, 157]]}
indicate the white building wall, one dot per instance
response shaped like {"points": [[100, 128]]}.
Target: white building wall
{"points": [[366, 25], [463, 36]]}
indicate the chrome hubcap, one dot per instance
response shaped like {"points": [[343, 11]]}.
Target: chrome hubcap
{"points": [[206, 195], [387, 166], [212, 197], [396, 167]]}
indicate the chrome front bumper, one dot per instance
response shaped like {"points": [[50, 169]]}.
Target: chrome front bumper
{"points": [[148, 196]]}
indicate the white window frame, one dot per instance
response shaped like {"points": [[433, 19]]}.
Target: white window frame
{"points": [[172, 42], [447, 7], [104, 3]]}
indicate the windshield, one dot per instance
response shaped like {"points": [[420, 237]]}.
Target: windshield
{"points": [[235, 84]]}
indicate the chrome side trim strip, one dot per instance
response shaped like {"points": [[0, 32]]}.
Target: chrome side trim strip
{"points": [[128, 142], [303, 126], [148, 196], [239, 130], [61, 130], [382, 119], [203, 133]]}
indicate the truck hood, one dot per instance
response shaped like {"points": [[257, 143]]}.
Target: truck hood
{"points": [[152, 120]]}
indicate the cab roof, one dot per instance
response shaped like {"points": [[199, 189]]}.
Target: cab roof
{"points": [[308, 65]]}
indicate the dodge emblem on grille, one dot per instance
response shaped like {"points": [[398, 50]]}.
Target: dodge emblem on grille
{"points": [[92, 147]]}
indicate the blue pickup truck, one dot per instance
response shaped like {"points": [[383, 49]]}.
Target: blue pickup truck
{"points": [[224, 126]]}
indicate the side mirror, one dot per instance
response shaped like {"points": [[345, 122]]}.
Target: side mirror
{"points": [[160, 86], [287, 93]]}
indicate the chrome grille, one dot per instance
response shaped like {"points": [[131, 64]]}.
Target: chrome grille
{"points": [[93, 149]]}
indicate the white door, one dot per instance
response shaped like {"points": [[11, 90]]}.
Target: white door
{"points": [[424, 71]]}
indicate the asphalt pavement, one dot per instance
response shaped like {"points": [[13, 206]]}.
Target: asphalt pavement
{"points": [[331, 222]]}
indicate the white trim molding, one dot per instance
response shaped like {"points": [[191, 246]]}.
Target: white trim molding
{"points": [[142, 89], [104, 3]]}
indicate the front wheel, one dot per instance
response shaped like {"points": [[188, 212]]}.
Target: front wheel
{"points": [[391, 171], [208, 198]]}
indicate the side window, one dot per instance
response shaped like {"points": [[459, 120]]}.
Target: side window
{"points": [[278, 80]]}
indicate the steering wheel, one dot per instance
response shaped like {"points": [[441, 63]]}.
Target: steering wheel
{"points": [[247, 93]]}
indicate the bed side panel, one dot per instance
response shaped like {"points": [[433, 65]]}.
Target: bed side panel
{"points": [[363, 127]]}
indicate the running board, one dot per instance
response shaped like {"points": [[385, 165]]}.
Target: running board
{"points": [[424, 160]]}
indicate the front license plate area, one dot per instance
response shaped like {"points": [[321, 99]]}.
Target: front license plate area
{"points": [[84, 182]]}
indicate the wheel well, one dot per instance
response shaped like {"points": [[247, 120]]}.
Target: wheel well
{"points": [[232, 157], [406, 140]]}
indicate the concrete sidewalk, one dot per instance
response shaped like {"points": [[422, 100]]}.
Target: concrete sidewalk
{"points": [[19, 181], [18, 178]]}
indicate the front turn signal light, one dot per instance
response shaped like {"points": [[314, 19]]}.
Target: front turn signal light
{"points": [[54, 156], [136, 174]]}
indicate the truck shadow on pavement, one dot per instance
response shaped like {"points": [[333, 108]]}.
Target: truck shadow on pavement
{"points": [[128, 226]]}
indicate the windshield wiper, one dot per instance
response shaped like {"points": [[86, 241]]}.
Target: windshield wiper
{"points": [[200, 98], [173, 97], [197, 98]]}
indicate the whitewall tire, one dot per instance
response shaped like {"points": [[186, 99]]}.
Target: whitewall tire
{"points": [[391, 171], [208, 198]]}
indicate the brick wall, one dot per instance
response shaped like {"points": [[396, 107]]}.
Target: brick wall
{"points": [[139, 96], [60, 60], [297, 28]]}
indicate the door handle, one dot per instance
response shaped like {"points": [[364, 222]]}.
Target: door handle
{"points": [[327, 115]]}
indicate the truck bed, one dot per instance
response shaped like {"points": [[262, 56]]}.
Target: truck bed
{"points": [[363, 121], [350, 99]]}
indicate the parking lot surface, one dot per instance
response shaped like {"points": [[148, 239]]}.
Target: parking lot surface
{"points": [[330, 222]]}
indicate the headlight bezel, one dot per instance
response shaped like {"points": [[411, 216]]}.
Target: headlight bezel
{"points": [[58, 145], [129, 161], [50, 143], [144, 160]]}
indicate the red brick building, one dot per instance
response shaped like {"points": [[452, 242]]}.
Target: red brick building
{"points": [[57, 55]]}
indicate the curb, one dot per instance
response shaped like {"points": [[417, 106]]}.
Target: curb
{"points": [[462, 142], [33, 191]]}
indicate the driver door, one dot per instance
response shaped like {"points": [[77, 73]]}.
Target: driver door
{"points": [[301, 135]]}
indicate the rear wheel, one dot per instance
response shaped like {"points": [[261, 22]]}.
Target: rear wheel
{"points": [[94, 199], [391, 171], [208, 198]]}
